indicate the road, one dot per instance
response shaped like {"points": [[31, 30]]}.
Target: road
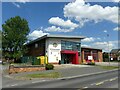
{"points": [[103, 80]]}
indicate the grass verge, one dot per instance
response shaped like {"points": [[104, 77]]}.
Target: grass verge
{"points": [[42, 75], [109, 67]]}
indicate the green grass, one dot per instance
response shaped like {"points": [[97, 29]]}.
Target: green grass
{"points": [[44, 75], [20, 64], [109, 67]]}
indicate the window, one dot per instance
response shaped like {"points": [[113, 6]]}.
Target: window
{"points": [[36, 45], [69, 45], [86, 54], [94, 51]]}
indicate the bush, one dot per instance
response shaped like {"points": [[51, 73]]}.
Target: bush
{"points": [[90, 63], [49, 67]]}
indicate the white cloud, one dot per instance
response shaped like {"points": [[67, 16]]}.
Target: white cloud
{"points": [[57, 29], [85, 45], [82, 12], [98, 38], [90, 39], [23, 1], [105, 31], [103, 45], [60, 22], [106, 46], [36, 34], [115, 0], [116, 29], [17, 5]]}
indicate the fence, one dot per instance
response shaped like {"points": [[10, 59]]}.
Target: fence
{"points": [[34, 60]]}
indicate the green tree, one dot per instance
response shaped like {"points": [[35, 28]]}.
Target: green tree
{"points": [[14, 35], [105, 57], [0, 43]]}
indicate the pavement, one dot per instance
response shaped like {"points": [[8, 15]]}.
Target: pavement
{"points": [[108, 63], [67, 70]]}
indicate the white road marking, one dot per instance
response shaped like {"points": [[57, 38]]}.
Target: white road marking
{"points": [[106, 80], [85, 87], [92, 84], [14, 85], [99, 83], [113, 79]]}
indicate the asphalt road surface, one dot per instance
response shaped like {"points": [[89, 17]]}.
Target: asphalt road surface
{"points": [[104, 80]]}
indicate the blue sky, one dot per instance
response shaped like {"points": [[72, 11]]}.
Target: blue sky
{"points": [[91, 19]]}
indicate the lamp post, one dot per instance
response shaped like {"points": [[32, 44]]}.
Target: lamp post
{"points": [[108, 50]]}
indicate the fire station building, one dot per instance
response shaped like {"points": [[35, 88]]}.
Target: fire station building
{"points": [[87, 52], [57, 47]]}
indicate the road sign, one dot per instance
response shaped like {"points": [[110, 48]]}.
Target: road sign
{"points": [[90, 57]]}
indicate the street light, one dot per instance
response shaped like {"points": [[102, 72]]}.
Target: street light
{"points": [[108, 50]]}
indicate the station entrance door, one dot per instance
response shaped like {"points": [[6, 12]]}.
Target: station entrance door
{"points": [[68, 56]]}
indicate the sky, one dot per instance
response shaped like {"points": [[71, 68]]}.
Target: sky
{"points": [[97, 21]]}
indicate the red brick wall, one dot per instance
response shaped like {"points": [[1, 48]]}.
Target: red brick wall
{"points": [[100, 56], [28, 69], [99, 53], [82, 55]]}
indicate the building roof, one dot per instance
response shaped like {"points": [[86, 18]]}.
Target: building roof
{"points": [[115, 50], [90, 48], [57, 36], [66, 36]]}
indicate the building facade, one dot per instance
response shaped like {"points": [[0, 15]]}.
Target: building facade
{"points": [[91, 53], [115, 54], [67, 49]]}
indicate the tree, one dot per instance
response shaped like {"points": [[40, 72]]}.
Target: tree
{"points": [[14, 35], [105, 57], [0, 43]]}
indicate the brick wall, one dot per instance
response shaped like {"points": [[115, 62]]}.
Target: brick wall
{"points": [[100, 56], [13, 69], [99, 53]]}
